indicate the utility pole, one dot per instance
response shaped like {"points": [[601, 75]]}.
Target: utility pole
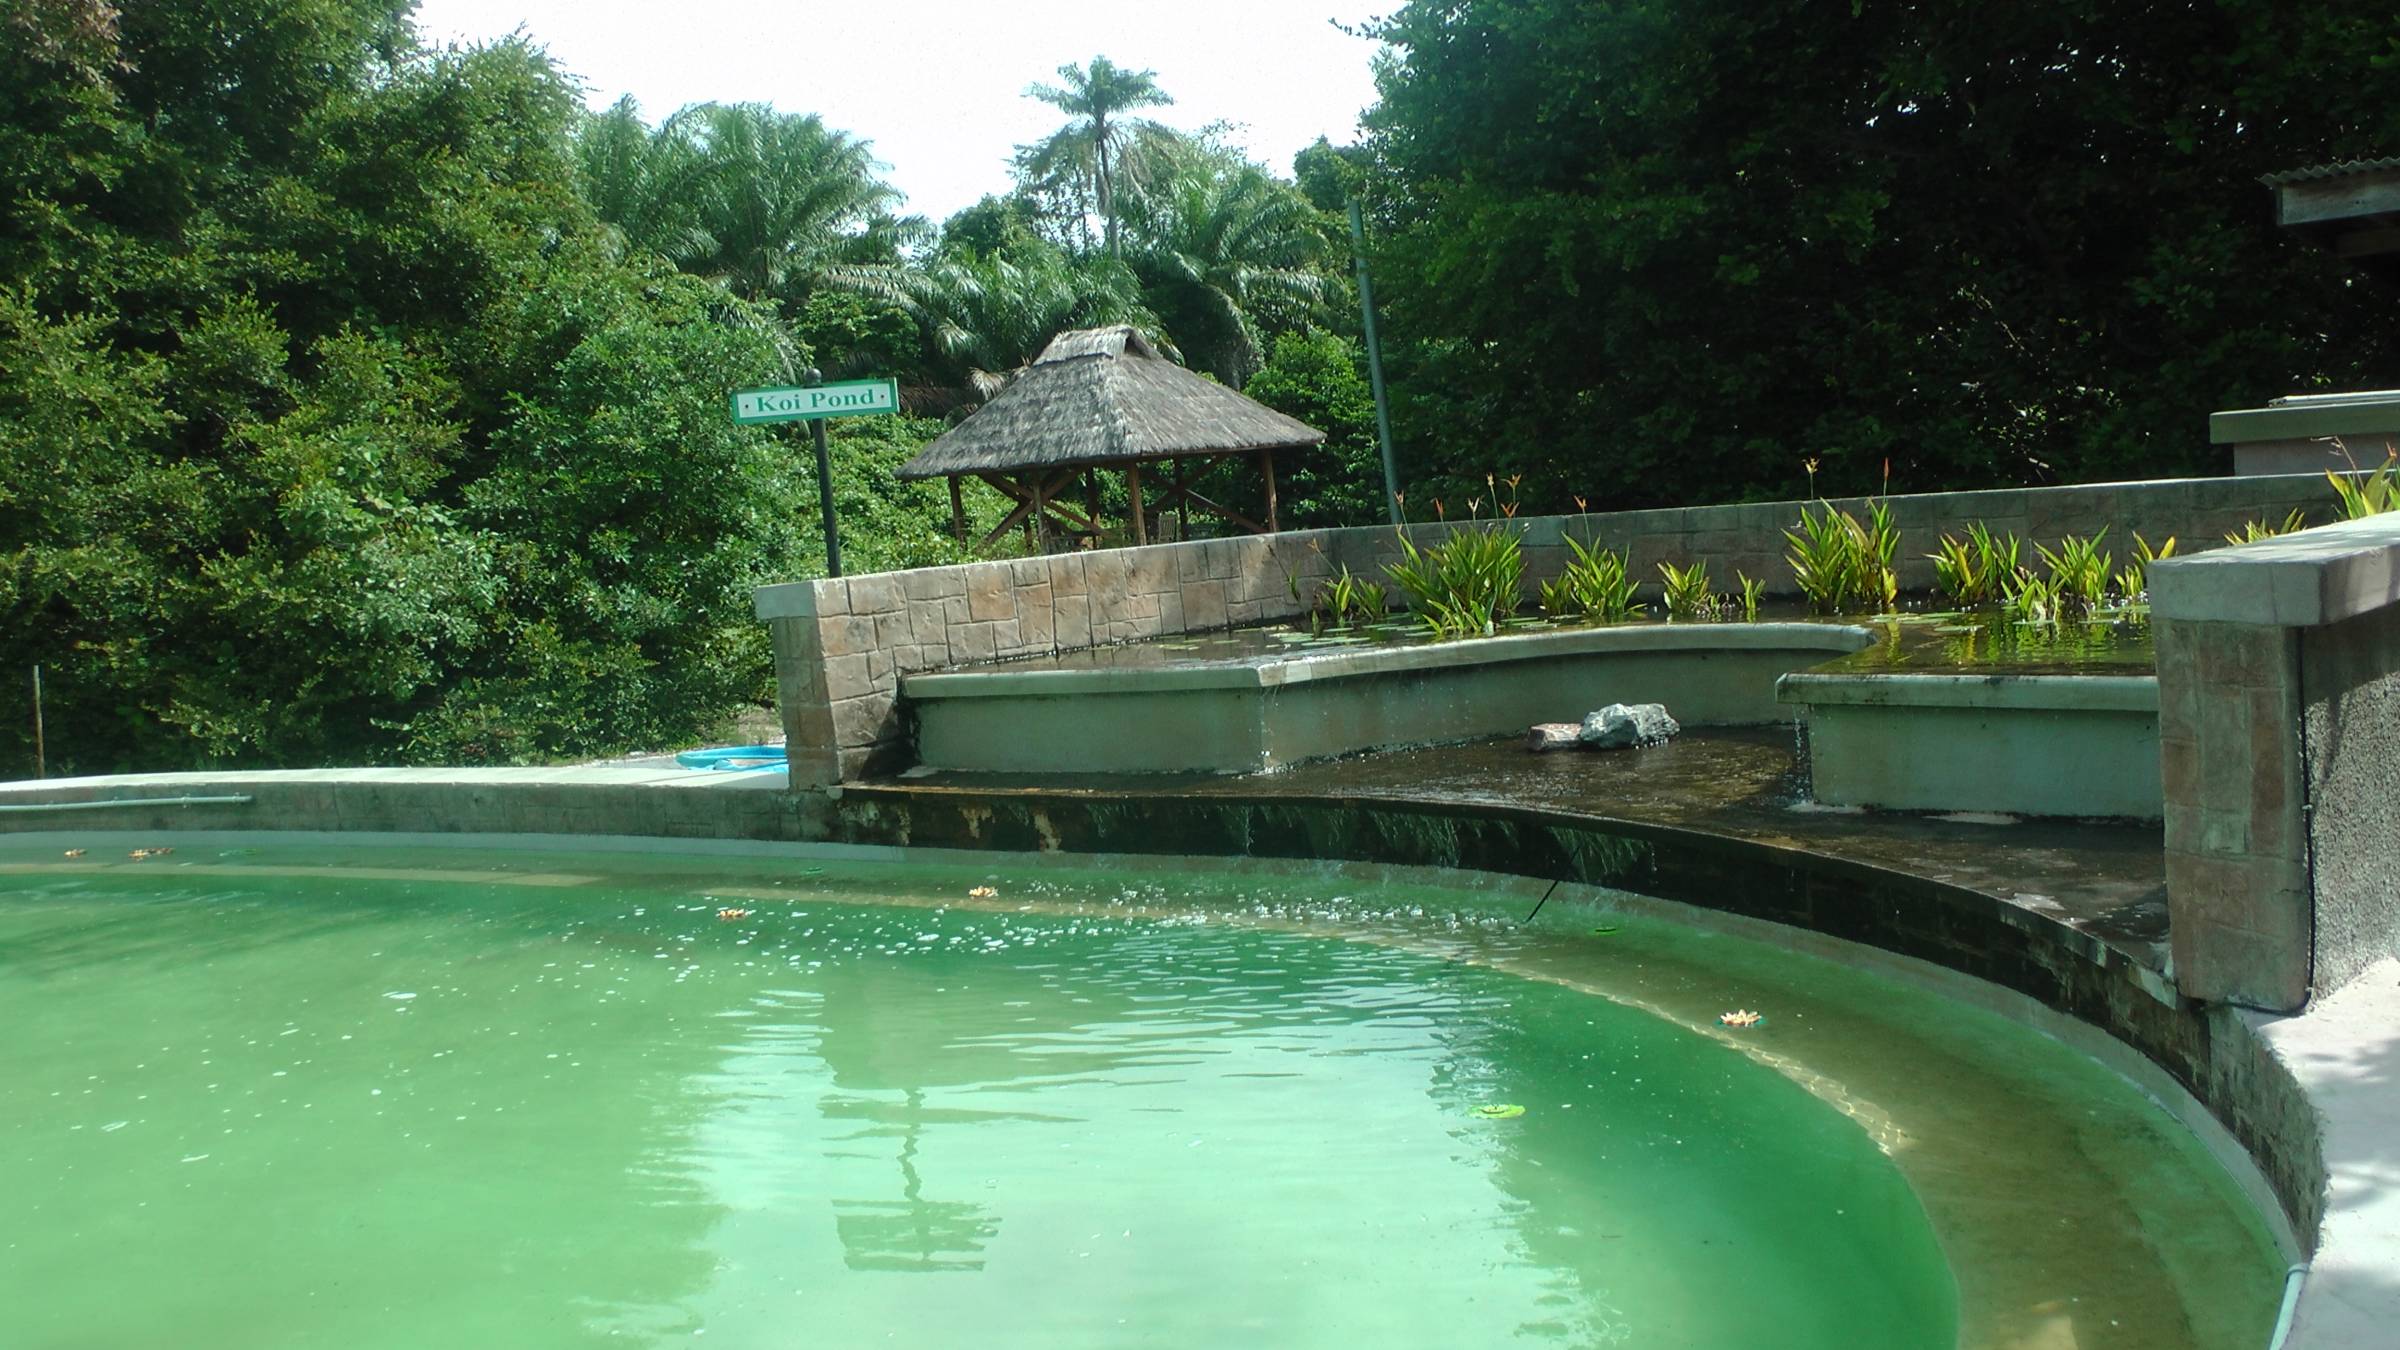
{"points": [[1383, 412]]}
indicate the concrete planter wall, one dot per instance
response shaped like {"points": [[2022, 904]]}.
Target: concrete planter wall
{"points": [[2040, 745], [843, 646], [1253, 717]]}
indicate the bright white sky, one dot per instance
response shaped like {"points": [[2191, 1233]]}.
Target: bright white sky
{"points": [[938, 85]]}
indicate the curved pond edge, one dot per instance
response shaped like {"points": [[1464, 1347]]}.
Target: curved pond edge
{"points": [[2276, 1091]]}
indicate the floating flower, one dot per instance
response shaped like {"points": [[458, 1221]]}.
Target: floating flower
{"points": [[1742, 1017], [982, 893], [74, 853], [1499, 1111], [729, 915]]}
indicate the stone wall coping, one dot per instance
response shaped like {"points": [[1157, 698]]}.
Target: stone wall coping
{"points": [[1000, 681], [2303, 580], [794, 599], [2054, 693], [2365, 416]]}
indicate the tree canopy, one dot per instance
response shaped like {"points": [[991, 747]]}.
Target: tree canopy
{"points": [[1662, 252]]}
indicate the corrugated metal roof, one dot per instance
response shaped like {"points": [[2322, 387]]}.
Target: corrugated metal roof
{"points": [[2338, 169]]}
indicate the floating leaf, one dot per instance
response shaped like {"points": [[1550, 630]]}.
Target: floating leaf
{"points": [[1742, 1017], [982, 893], [1605, 929], [1499, 1111]]}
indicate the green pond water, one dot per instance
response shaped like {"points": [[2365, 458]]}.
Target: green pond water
{"points": [[283, 1098]]}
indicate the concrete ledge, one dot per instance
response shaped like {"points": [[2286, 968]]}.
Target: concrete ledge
{"points": [[2065, 693], [2024, 745], [1301, 668], [2304, 580]]}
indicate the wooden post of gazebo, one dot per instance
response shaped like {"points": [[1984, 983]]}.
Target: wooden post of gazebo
{"points": [[1133, 496]]}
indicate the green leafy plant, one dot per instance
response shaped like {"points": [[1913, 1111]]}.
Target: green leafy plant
{"points": [[2030, 598], [1464, 585], [2368, 493], [1347, 598], [1689, 596], [1595, 584], [2254, 530], [2079, 575], [1752, 590], [1843, 564], [1975, 571], [2133, 582]]}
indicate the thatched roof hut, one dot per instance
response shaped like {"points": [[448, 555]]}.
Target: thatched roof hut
{"points": [[1104, 398]]}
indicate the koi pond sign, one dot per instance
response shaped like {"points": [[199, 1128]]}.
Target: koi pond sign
{"points": [[850, 398]]}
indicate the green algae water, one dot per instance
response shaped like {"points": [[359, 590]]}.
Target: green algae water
{"points": [[270, 1099]]}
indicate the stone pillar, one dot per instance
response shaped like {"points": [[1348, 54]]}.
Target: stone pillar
{"points": [[2279, 714], [2229, 764]]}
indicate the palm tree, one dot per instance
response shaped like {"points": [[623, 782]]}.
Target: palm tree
{"points": [[1101, 144], [761, 202], [1224, 251], [987, 316]]}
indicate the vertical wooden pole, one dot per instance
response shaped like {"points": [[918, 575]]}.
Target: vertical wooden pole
{"points": [[1266, 465], [1133, 492], [1091, 503], [41, 752], [958, 511], [1041, 514]]}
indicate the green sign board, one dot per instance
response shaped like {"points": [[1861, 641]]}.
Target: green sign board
{"points": [[850, 398]]}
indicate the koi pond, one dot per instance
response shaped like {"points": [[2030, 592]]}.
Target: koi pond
{"points": [[299, 1095]]}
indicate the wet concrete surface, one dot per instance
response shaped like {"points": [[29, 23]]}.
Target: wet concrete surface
{"points": [[2106, 879]]}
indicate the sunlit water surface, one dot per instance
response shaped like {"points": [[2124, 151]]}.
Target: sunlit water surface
{"points": [[280, 1099]]}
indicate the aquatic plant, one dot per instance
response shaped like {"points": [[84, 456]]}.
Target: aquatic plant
{"points": [[2079, 574], [1975, 571], [2367, 494], [1594, 584], [1462, 586], [1752, 589], [2133, 582], [2254, 530], [1689, 596], [1347, 598], [1842, 564]]}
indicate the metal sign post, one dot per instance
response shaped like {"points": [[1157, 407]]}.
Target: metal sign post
{"points": [[813, 402]]}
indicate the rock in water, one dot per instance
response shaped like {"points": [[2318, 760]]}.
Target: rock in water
{"points": [[1554, 736], [1620, 725]]}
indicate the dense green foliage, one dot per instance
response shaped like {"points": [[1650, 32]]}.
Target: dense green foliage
{"points": [[360, 401], [1659, 251], [334, 427]]}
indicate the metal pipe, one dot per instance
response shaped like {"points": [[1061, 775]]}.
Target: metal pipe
{"points": [[2292, 1280], [1383, 412], [41, 807]]}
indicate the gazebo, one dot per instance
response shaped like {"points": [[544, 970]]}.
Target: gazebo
{"points": [[2350, 209], [1099, 399]]}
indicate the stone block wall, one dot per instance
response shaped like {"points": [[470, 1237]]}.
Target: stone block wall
{"points": [[842, 645]]}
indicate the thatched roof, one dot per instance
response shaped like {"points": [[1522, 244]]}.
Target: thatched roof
{"points": [[1105, 396]]}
